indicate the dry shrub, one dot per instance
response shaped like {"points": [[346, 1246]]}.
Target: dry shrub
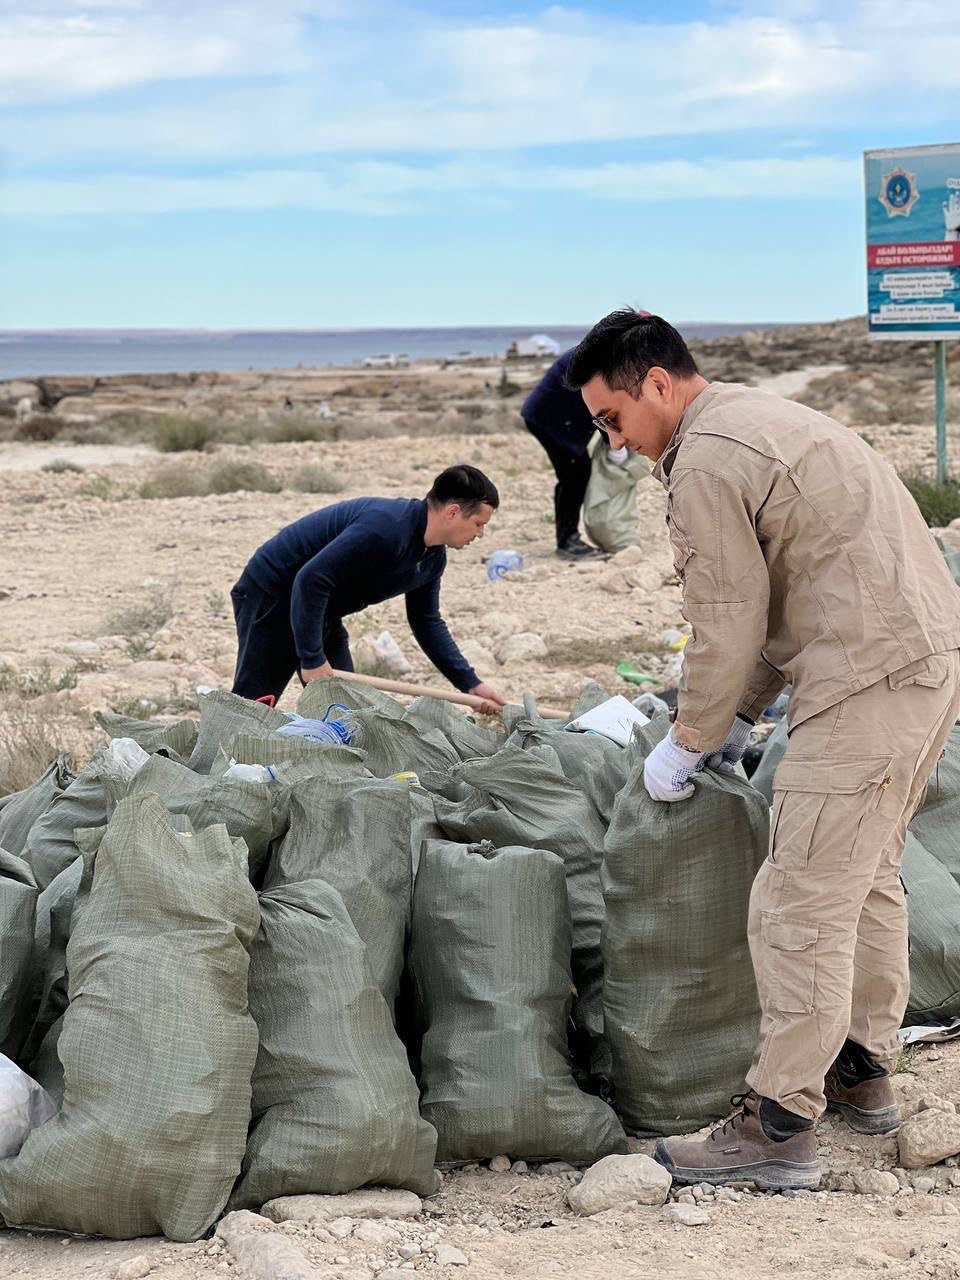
{"points": [[318, 480], [28, 744], [176, 433], [938, 503], [62, 466], [42, 426], [235, 477], [142, 618], [179, 480]]}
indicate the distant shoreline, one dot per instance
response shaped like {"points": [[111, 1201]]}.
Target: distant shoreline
{"points": [[30, 354]]}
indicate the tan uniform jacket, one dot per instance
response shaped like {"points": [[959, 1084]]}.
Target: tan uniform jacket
{"points": [[803, 559]]}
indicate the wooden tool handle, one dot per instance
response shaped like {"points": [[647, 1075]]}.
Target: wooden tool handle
{"points": [[428, 691]]}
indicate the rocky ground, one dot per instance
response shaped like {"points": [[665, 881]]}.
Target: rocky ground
{"points": [[110, 599]]}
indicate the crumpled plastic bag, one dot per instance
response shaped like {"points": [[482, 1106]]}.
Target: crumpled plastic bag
{"points": [[24, 1105]]}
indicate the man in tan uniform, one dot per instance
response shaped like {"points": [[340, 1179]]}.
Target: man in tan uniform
{"points": [[803, 560]]}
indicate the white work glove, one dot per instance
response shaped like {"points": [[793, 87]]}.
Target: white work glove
{"points": [[731, 753], [667, 770]]}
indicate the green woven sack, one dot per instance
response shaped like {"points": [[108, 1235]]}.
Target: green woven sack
{"points": [[335, 1106], [490, 960], [54, 920], [20, 809], [679, 997], [396, 746], [520, 797], [172, 737], [319, 695], [933, 907], [595, 764], [358, 836], [773, 753], [18, 904], [937, 822], [157, 1044], [244, 808], [610, 503], [468, 738], [222, 715]]}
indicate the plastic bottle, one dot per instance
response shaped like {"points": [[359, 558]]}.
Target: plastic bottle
{"points": [[503, 562], [336, 732]]}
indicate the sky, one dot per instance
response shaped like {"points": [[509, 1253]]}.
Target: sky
{"points": [[318, 163]]}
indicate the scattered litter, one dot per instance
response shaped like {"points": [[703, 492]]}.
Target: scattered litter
{"points": [[381, 655], [930, 1035], [24, 1106], [330, 730], [501, 563], [627, 671], [674, 639], [613, 719]]}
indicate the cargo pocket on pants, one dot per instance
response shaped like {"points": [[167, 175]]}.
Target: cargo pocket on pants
{"points": [[789, 976], [853, 790]]}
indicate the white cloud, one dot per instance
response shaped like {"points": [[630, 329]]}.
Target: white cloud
{"points": [[382, 189], [299, 78]]}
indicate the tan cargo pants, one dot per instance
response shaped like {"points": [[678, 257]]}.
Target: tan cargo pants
{"points": [[828, 919]]}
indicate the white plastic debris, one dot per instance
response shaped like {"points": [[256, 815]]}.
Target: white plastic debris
{"points": [[128, 756], [614, 719], [24, 1105]]}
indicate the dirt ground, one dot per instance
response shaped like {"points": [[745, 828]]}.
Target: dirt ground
{"points": [[123, 602]]}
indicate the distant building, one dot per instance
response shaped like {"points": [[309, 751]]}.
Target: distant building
{"points": [[538, 344], [386, 362]]}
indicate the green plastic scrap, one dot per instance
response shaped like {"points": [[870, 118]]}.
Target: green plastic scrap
{"points": [[630, 673]]}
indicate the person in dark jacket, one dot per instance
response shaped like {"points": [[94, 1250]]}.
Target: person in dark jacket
{"points": [[297, 588], [558, 419]]}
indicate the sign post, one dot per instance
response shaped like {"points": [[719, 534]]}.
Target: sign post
{"points": [[913, 256]]}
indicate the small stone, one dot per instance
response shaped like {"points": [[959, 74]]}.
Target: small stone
{"points": [[554, 1167], [928, 1137], [930, 1102], [372, 1202], [489, 1222], [520, 1166], [697, 1193], [371, 1232], [133, 1268], [340, 1228], [728, 1193], [617, 1180], [394, 1273], [872, 1182], [687, 1215], [924, 1186], [263, 1254], [500, 1164], [409, 1251], [522, 647], [449, 1256]]}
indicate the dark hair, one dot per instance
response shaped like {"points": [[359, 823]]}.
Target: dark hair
{"points": [[465, 485], [624, 346]]}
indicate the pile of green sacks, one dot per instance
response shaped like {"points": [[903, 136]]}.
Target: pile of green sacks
{"points": [[240, 987]]}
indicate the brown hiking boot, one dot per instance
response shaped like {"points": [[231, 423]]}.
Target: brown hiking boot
{"points": [[743, 1150], [859, 1090]]}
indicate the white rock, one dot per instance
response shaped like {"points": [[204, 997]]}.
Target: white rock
{"points": [[874, 1182], [340, 1228], [522, 647], [553, 1167], [500, 1164], [520, 1166], [924, 1186], [628, 556], [263, 1254], [615, 583], [498, 625], [928, 1137], [618, 1180], [449, 1256], [409, 1251], [370, 1202], [134, 1268], [371, 1232], [687, 1215], [81, 648]]}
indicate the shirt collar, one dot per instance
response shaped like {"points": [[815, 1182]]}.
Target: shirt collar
{"points": [[664, 464]]}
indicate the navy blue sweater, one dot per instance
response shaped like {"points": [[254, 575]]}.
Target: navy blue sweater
{"points": [[556, 411], [343, 558]]}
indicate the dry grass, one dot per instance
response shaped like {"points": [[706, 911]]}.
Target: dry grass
{"points": [[142, 619], [179, 480], [237, 477], [41, 427], [938, 503], [28, 744], [318, 480], [176, 433]]}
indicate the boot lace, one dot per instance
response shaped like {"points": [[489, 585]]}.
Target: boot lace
{"points": [[732, 1122]]}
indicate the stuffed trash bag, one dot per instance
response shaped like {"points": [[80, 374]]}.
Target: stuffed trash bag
{"points": [[335, 1105], [680, 1002], [157, 1044], [490, 961], [610, 505]]}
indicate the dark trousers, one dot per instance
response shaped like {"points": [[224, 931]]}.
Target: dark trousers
{"points": [[266, 652], [573, 475]]}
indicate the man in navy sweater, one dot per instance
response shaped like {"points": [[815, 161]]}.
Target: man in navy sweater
{"points": [[292, 597], [559, 420]]}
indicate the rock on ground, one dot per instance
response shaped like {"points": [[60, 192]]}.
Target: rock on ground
{"points": [[928, 1137], [874, 1182], [687, 1215], [615, 1181], [372, 1202], [261, 1253]]}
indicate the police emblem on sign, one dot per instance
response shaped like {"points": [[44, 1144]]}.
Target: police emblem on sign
{"points": [[899, 193]]}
